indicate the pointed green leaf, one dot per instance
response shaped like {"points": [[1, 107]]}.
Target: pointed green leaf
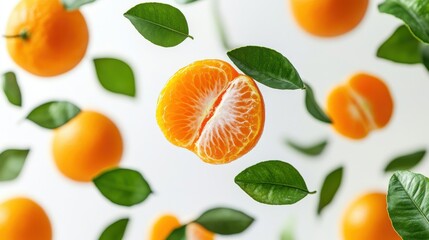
{"points": [[329, 188], [405, 162], [115, 231], [53, 114], [401, 47], [313, 107], [186, 1], [161, 24], [225, 221], [11, 163], [273, 182], [311, 150], [115, 75], [11, 89], [124, 187], [71, 5], [178, 233], [414, 13], [267, 67], [408, 205]]}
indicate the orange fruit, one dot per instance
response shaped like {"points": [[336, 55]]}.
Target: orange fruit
{"points": [[361, 105], [367, 218], [328, 18], [166, 224], [87, 145], [23, 219], [44, 38], [208, 108]]}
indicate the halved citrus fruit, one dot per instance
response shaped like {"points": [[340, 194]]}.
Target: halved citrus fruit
{"points": [[163, 227], [208, 108]]}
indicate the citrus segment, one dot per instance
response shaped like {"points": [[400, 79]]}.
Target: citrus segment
{"points": [[163, 227], [195, 231]]}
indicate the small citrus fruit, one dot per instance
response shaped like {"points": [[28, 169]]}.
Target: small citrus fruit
{"points": [[23, 219], [87, 145], [208, 108], [44, 38], [166, 224]]}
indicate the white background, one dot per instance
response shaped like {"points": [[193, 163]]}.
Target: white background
{"points": [[183, 184]]}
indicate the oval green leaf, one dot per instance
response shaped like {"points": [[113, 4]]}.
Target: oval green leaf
{"points": [[124, 187], [414, 13], [71, 5], [11, 89], [406, 161], [11, 163], [53, 114], [178, 233], [273, 182], [115, 231], [288, 232], [310, 150], [115, 76], [161, 24], [401, 47], [313, 107], [408, 205], [425, 56], [186, 1], [266, 66], [225, 221], [330, 187]]}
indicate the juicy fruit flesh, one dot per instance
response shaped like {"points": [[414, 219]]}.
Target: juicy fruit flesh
{"points": [[360, 106], [209, 109]]}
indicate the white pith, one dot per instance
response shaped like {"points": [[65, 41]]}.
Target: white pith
{"points": [[364, 107]]}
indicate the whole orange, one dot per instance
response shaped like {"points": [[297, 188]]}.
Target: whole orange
{"points": [[87, 145], [367, 218], [328, 18], [23, 219], [44, 38]]}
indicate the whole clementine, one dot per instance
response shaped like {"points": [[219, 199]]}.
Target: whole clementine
{"points": [[44, 38], [23, 219], [87, 145]]}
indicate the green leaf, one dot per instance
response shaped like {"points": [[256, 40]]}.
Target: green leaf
{"points": [[220, 25], [11, 163], [178, 233], [53, 114], [71, 5], [408, 205], [406, 161], [288, 232], [329, 188], [425, 56], [115, 231], [312, 150], [414, 13], [115, 75], [313, 108], [124, 187], [225, 221], [401, 47], [11, 89], [161, 24], [273, 182], [186, 1], [267, 67]]}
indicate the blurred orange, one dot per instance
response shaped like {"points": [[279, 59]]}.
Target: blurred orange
{"points": [[46, 39], [328, 18], [165, 225], [23, 219], [208, 108], [87, 145], [367, 218], [361, 105], [195, 231]]}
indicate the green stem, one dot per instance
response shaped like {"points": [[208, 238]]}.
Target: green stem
{"points": [[220, 25], [23, 35]]}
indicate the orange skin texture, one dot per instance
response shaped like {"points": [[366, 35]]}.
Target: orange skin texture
{"points": [[23, 219], [328, 18], [166, 224], [208, 108], [367, 218], [87, 145], [360, 106], [57, 41]]}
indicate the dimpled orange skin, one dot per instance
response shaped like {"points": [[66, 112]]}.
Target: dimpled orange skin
{"points": [[328, 18], [23, 219], [359, 106], [87, 145], [57, 41], [367, 218]]}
